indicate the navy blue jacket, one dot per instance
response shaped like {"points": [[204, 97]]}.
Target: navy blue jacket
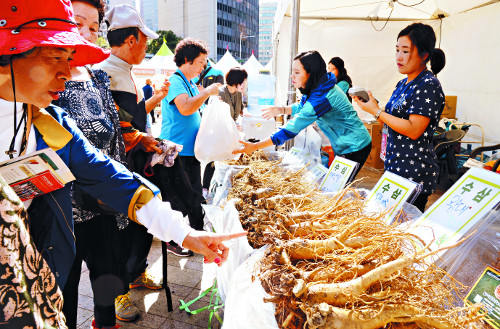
{"points": [[50, 215]]}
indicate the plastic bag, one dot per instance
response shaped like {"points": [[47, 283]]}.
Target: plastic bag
{"points": [[228, 221], [218, 136], [245, 307]]}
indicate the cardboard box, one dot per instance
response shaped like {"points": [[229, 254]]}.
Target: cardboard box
{"points": [[375, 131], [374, 160], [450, 107]]}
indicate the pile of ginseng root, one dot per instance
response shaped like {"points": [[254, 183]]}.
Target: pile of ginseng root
{"points": [[332, 265]]}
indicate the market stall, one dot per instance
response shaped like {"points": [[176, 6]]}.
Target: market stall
{"points": [[363, 33], [323, 260]]}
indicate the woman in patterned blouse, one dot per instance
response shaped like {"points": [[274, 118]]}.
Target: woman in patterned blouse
{"points": [[88, 100], [412, 113]]}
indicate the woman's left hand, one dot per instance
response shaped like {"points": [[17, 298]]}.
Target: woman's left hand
{"points": [[371, 106], [248, 148]]}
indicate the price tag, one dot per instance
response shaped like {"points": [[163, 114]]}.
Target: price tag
{"points": [[296, 151], [390, 192], [338, 175], [487, 291], [462, 206], [383, 142], [317, 172]]}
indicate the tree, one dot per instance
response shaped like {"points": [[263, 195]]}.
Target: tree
{"points": [[103, 43], [171, 38]]}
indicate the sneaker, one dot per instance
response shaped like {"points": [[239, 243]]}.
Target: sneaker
{"points": [[94, 326], [147, 281], [175, 249], [124, 309]]}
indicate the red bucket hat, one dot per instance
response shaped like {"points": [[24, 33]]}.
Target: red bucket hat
{"points": [[25, 24]]}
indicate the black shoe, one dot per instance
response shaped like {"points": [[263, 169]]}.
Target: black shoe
{"points": [[175, 249]]}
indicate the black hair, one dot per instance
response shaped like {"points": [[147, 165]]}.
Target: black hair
{"points": [[424, 38], [313, 64], [100, 5], [116, 38], [188, 49], [236, 76], [339, 65]]}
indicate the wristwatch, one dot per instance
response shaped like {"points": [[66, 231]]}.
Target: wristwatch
{"points": [[378, 113]]}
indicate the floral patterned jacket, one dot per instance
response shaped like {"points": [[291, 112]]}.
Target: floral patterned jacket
{"points": [[29, 295]]}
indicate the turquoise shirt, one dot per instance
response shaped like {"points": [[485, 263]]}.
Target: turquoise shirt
{"points": [[343, 85], [330, 108], [175, 127]]}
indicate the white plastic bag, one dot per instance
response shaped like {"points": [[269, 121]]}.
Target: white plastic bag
{"points": [[218, 136]]}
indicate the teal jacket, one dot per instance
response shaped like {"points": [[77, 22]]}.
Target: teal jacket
{"points": [[328, 106]]}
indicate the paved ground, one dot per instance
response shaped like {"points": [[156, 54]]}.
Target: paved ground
{"points": [[187, 278]]}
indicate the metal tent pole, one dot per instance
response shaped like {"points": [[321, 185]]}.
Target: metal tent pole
{"points": [[294, 48]]}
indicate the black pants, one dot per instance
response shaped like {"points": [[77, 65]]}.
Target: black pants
{"points": [[208, 174], [135, 243], [97, 244], [421, 201], [192, 168], [359, 157], [152, 113]]}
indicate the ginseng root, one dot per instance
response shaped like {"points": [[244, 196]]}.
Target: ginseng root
{"points": [[326, 316], [341, 293]]}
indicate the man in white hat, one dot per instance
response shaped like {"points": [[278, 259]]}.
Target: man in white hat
{"points": [[128, 36]]}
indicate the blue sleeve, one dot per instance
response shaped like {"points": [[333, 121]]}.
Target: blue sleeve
{"points": [[302, 119], [427, 100], [97, 174], [177, 87]]}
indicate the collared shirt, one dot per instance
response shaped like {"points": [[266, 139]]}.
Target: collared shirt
{"points": [[128, 97], [178, 128]]}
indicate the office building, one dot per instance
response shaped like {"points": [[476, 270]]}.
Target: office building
{"points": [[149, 12], [238, 28], [220, 23], [266, 17]]}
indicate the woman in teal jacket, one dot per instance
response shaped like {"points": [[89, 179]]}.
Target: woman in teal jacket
{"points": [[322, 102]]}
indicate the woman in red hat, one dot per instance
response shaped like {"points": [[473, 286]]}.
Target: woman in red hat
{"points": [[38, 42]]}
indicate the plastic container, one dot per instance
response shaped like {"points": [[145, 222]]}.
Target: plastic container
{"points": [[257, 128], [261, 93]]}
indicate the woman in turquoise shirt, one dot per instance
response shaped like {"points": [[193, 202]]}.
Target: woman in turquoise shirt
{"points": [[322, 102], [336, 66]]}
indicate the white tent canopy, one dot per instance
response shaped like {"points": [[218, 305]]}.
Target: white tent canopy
{"points": [[469, 34], [269, 65], [252, 65], [226, 63]]}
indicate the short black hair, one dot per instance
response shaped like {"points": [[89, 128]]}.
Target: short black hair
{"points": [[116, 38], [424, 38], [188, 49], [100, 5], [313, 64], [236, 76]]}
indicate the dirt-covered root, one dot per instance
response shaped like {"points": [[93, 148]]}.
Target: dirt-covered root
{"points": [[327, 316], [316, 249]]}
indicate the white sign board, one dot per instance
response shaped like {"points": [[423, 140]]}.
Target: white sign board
{"points": [[461, 207], [338, 175], [391, 192], [317, 172]]}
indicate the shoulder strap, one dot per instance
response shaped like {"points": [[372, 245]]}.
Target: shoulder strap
{"points": [[187, 85]]}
